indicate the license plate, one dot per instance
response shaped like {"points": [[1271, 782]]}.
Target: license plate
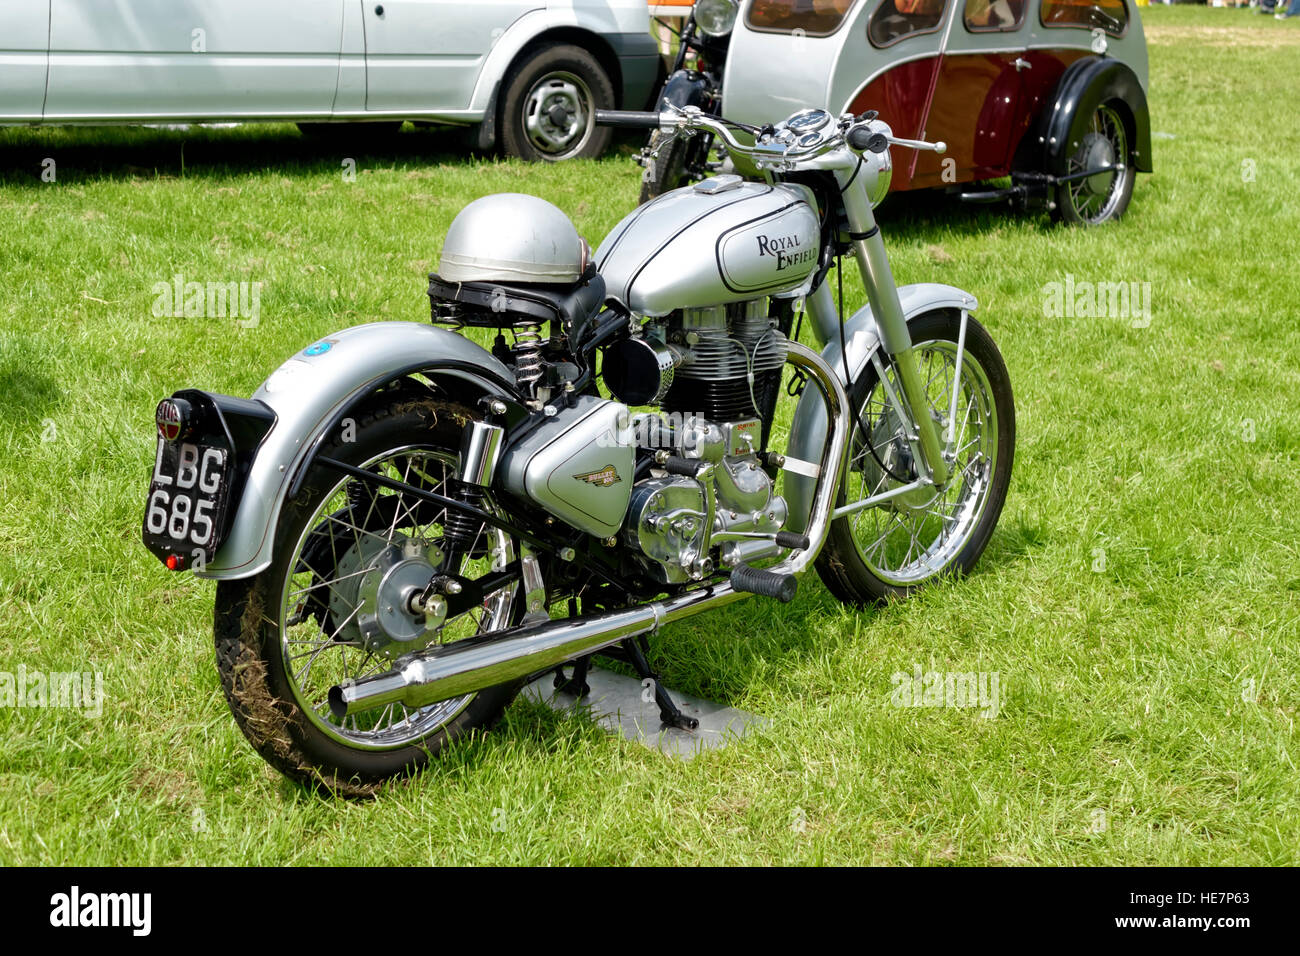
{"points": [[186, 509]]}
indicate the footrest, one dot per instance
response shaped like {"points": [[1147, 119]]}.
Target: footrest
{"points": [[775, 584]]}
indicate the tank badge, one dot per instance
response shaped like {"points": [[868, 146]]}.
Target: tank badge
{"points": [[603, 478]]}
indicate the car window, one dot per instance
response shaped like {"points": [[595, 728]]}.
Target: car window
{"points": [[896, 20], [1109, 15], [815, 18], [983, 16]]}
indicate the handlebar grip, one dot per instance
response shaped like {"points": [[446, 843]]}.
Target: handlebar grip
{"points": [[862, 139], [629, 119]]}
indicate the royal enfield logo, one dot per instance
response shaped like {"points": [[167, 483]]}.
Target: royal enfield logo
{"points": [[787, 250], [171, 419], [604, 478]]}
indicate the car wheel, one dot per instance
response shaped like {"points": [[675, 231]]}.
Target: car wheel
{"points": [[1095, 199], [548, 109]]}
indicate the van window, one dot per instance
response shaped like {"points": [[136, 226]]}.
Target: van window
{"points": [[896, 20], [814, 18], [1109, 15], [994, 16]]}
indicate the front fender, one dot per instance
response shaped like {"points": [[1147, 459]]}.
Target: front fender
{"points": [[809, 428], [309, 394]]}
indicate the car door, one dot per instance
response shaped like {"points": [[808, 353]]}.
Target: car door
{"points": [[425, 55], [193, 59], [24, 58], [977, 95]]}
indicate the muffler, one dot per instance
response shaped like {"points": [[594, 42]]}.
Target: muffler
{"points": [[487, 660]]}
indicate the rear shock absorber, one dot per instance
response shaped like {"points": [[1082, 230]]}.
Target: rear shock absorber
{"points": [[461, 531], [528, 354]]}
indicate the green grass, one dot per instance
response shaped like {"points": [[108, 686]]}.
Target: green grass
{"points": [[1122, 689]]}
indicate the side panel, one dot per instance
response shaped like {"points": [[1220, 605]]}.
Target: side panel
{"points": [[306, 392], [192, 59], [809, 428], [24, 58]]}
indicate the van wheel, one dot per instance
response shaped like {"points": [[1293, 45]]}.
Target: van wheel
{"points": [[548, 109]]}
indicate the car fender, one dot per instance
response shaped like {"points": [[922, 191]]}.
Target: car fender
{"points": [[1085, 85], [310, 395], [808, 429], [601, 24]]}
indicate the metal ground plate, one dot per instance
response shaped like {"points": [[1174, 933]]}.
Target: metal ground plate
{"points": [[615, 702]]}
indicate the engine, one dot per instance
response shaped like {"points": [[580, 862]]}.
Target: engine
{"points": [[708, 500]]}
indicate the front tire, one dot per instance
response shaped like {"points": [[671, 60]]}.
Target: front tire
{"points": [[889, 550], [322, 611], [549, 103]]}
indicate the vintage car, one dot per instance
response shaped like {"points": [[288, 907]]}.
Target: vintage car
{"points": [[1051, 93], [527, 74]]}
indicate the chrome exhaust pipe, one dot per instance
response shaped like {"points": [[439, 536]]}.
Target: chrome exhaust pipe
{"points": [[477, 663]]}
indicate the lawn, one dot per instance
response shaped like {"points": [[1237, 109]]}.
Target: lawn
{"points": [[1140, 601]]}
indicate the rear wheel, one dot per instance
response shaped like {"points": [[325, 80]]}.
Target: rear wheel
{"points": [[336, 604], [679, 162], [890, 549], [549, 103], [1095, 199]]}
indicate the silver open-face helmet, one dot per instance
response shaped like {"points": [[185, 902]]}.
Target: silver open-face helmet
{"points": [[512, 237]]}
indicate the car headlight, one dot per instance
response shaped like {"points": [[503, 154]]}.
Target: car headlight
{"points": [[716, 17]]}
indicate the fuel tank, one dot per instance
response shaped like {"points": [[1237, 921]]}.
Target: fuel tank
{"points": [[717, 241]]}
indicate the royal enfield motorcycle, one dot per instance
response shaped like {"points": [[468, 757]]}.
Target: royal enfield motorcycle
{"points": [[406, 527]]}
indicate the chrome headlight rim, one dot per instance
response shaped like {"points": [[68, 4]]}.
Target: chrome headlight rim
{"points": [[716, 18]]}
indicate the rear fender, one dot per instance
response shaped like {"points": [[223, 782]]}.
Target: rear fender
{"points": [[313, 392], [1085, 85]]}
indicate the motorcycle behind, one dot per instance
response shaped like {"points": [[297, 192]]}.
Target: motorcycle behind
{"points": [[695, 80], [405, 527]]}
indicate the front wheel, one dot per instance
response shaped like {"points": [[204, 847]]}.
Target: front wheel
{"points": [[888, 550], [336, 603]]}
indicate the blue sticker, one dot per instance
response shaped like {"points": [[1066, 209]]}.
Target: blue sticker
{"points": [[320, 348]]}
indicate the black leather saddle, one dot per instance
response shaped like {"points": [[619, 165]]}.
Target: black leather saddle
{"points": [[505, 305]]}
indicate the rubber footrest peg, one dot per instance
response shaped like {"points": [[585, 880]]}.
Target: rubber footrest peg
{"points": [[775, 584], [793, 539]]}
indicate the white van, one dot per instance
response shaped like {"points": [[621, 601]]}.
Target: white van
{"points": [[526, 73]]}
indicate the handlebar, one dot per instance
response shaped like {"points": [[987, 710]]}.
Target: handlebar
{"points": [[627, 119], [860, 135]]}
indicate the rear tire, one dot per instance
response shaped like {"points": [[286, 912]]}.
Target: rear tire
{"points": [[548, 105], [304, 600], [1105, 196]]}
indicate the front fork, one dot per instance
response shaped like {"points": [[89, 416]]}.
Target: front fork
{"points": [[882, 293]]}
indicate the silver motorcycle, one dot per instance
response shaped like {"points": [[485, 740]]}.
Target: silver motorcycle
{"points": [[406, 527]]}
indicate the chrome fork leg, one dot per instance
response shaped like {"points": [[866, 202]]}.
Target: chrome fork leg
{"points": [[882, 292]]}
